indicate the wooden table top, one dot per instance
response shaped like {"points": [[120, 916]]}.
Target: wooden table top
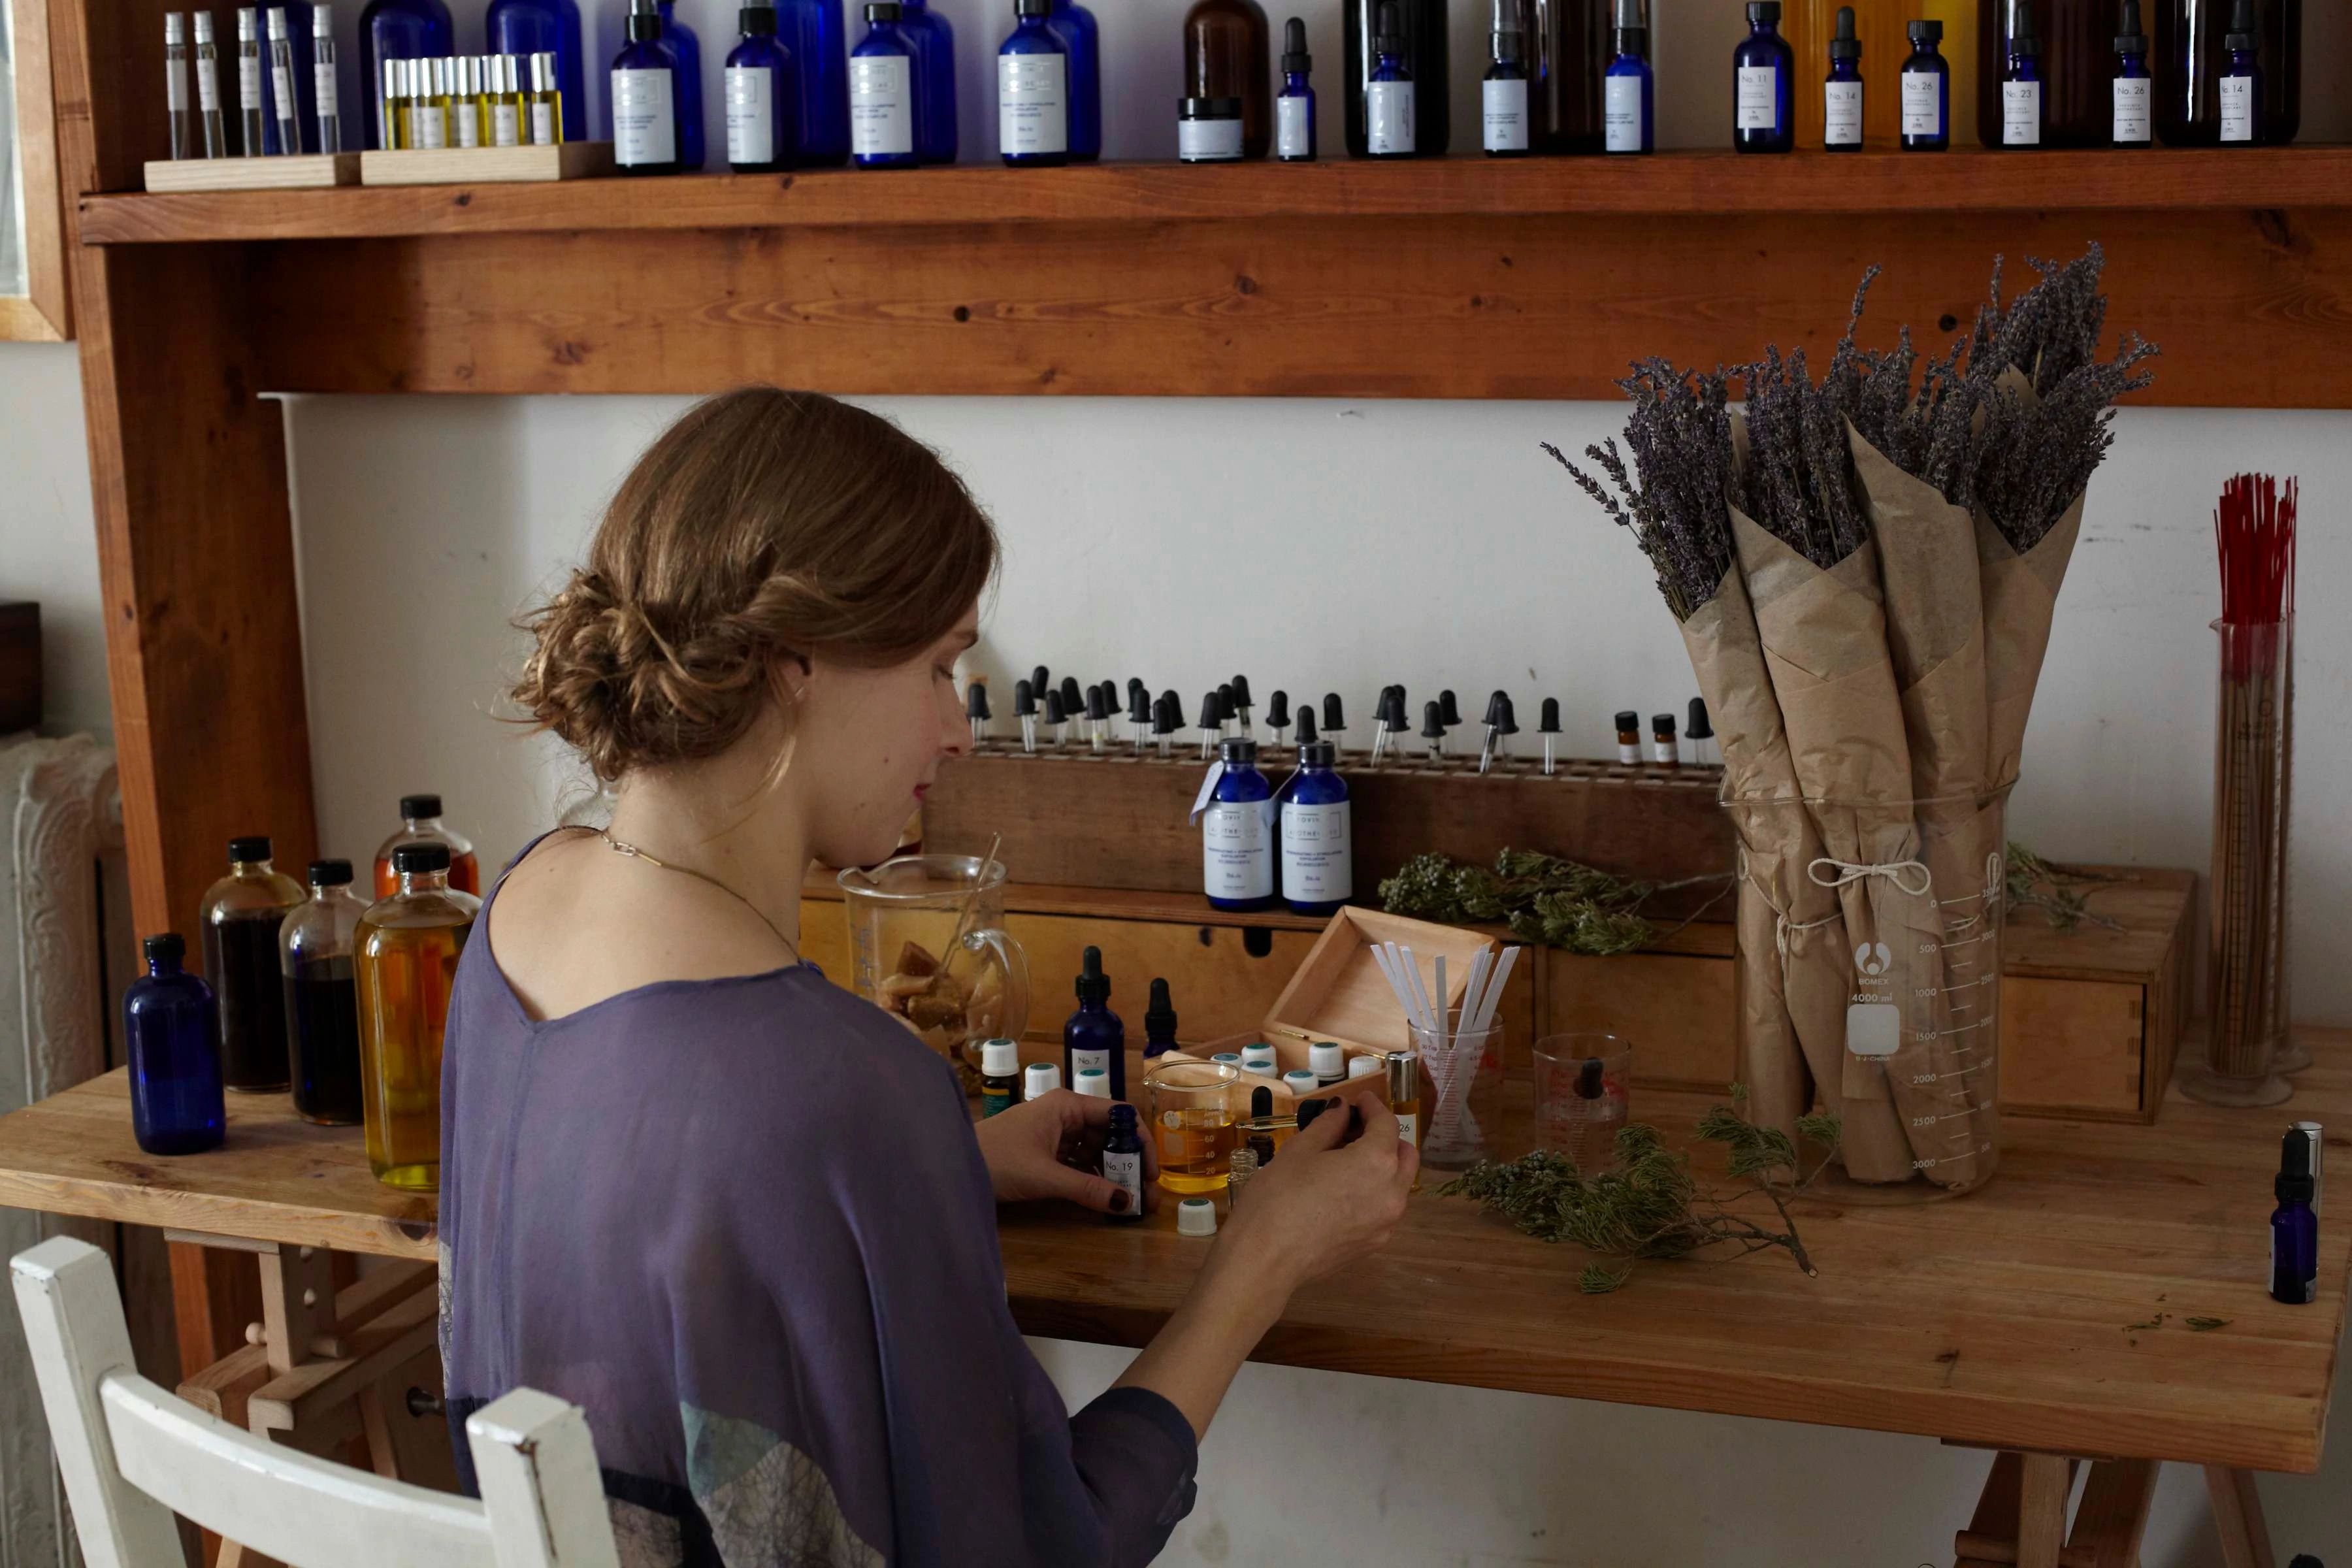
{"points": [[2015, 1316]]}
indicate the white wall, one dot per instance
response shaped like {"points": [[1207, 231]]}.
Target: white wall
{"points": [[47, 551]]}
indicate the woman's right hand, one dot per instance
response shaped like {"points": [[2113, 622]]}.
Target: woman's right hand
{"points": [[1319, 1206]]}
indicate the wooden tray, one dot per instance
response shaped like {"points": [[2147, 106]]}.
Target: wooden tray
{"points": [[486, 165], [302, 171]]}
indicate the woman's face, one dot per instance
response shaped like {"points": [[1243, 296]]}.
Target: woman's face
{"points": [[870, 745]]}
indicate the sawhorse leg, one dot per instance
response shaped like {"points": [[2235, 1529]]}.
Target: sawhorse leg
{"points": [[2021, 1519]]}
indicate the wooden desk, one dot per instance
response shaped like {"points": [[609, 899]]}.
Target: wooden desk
{"points": [[2004, 1320]]}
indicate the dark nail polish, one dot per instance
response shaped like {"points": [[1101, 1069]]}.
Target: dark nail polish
{"points": [[1118, 1201]]}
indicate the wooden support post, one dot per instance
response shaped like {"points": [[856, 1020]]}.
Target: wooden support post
{"points": [[298, 1303], [2238, 1517], [2042, 1488], [2113, 1516]]}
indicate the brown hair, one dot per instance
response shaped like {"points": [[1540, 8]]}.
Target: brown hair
{"points": [[762, 527]]}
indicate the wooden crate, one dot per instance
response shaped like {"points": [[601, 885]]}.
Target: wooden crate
{"points": [[307, 170]]}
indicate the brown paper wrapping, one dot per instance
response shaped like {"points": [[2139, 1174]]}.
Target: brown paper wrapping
{"points": [[2020, 596]]}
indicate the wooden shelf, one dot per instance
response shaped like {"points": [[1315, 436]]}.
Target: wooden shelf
{"points": [[1712, 185]]}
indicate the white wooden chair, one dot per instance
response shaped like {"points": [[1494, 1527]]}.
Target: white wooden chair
{"points": [[135, 1453]]}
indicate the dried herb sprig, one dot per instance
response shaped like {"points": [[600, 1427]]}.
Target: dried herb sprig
{"points": [[1650, 1205], [1543, 898], [2031, 882]]}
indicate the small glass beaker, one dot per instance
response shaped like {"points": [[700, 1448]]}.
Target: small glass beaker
{"points": [[1461, 1093], [904, 917], [1192, 1107], [1583, 1095]]}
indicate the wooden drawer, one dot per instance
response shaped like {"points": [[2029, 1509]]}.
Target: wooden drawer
{"points": [[2072, 1047], [1675, 1008]]}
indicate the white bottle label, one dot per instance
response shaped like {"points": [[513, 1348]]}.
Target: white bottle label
{"points": [[1208, 140], [2020, 114], [176, 86], [1505, 106], [2237, 109], [1923, 103], [1081, 1060], [432, 123], [207, 88], [542, 125], [2134, 120], [281, 82], [1124, 1172], [1630, 754], [1293, 130], [1032, 108], [1317, 862], [322, 88], [1841, 114], [881, 110], [1388, 118], [750, 114], [1621, 113], [466, 120], [1759, 98], [645, 127], [1237, 861], [505, 130], [1408, 1127], [248, 82]]}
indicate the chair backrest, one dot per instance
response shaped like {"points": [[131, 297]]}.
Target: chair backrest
{"points": [[133, 1454]]}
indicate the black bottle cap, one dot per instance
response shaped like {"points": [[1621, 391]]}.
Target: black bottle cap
{"points": [[1661, 724], [1072, 699], [1099, 703], [1024, 699], [1698, 728], [2294, 1184], [1627, 720], [168, 947], [1391, 709], [414, 857], [1167, 714], [884, 11], [1319, 754], [256, 847], [330, 873], [2021, 37], [1040, 682], [1335, 715], [413, 806], [1634, 41], [1241, 692], [2241, 33], [2130, 38], [1238, 751], [1432, 722], [1764, 11], [975, 700], [1845, 45], [1134, 685], [1305, 729], [644, 21], [1122, 1117], [1308, 1110], [1926, 32], [1388, 29], [1261, 1098], [1548, 723], [1277, 708], [757, 21], [1213, 711], [1032, 7], [1447, 708], [1509, 45], [1138, 703], [1508, 724], [1094, 985], [1589, 1084], [1159, 1018], [1226, 707], [1055, 711], [1494, 700], [1295, 57]]}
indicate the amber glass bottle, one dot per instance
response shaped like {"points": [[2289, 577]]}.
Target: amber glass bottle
{"points": [[2077, 69], [408, 946], [1574, 43], [1226, 55], [239, 918], [420, 822], [2190, 35]]}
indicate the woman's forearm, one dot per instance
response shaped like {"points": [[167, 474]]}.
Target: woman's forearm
{"points": [[1192, 1361]]}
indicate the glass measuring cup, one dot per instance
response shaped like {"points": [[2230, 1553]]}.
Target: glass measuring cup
{"points": [[907, 958], [1583, 1096], [1192, 1106]]}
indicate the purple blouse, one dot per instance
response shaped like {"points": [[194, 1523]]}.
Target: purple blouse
{"points": [[745, 1225]]}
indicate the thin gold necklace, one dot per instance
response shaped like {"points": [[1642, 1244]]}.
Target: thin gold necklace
{"points": [[622, 846]]}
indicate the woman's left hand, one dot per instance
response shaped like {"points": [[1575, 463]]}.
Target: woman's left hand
{"points": [[1050, 1147]]}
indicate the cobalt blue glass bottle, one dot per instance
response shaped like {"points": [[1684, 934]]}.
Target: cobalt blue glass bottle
{"points": [[1841, 94], [935, 91], [1082, 37], [2021, 82], [885, 116], [2134, 89], [1122, 1165], [1294, 112], [1033, 91], [1236, 841], [1927, 91], [763, 123], [1317, 857], [176, 1106], [392, 31], [527, 28], [2294, 1229], [2241, 86], [646, 139], [1095, 1037], [1763, 72], [1503, 95], [1628, 95], [817, 36], [1158, 1022], [1390, 126], [686, 51]]}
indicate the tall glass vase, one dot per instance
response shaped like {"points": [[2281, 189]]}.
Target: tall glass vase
{"points": [[2246, 1043]]}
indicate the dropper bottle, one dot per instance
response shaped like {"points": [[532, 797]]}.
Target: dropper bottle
{"points": [[1242, 703], [1099, 720], [1503, 96], [1433, 730], [1139, 713], [1294, 111], [2021, 82], [1167, 718], [1701, 735], [1212, 723], [2241, 86], [1389, 121], [1094, 1037], [1335, 721], [2295, 1228], [1547, 725], [1057, 720], [1628, 92], [975, 709], [1158, 1022], [2135, 114], [1277, 715], [1842, 94]]}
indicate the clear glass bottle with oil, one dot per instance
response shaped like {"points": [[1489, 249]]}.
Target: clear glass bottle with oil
{"points": [[239, 918], [408, 946], [420, 822]]}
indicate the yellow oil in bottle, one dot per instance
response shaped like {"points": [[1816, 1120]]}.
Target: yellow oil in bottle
{"points": [[1196, 1149], [408, 948]]}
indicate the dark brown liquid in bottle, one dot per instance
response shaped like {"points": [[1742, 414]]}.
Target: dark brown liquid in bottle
{"points": [[2192, 48], [241, 948], [1226, 55], [1572, 42], [2077, 39], [322, 1004]]}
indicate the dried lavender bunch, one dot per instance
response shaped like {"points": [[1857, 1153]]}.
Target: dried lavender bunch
{"points": [[2053, 328], [2032, 461], [1673, 495], [1800, 469]]}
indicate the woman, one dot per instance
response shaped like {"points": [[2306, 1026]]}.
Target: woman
{"points": [[739, 1214]]}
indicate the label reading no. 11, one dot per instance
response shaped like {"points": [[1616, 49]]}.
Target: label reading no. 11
{"points": [[1759, 98]]}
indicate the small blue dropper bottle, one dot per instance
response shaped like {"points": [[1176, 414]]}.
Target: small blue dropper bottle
{"points": [[1095, 1037], [1503, 95], [2021, 82], [1158, 1022], [1294, 112], [885, 118], [1927, 92], [1628, 91], [173, 1028], [1122, 1164], [1317, 854], [2294, 1229], [1033, 91], [1763, 73], [1237, 857], [2241, 79], [763, 119], [1841, 94], [2134, 121], [1388, 121]]}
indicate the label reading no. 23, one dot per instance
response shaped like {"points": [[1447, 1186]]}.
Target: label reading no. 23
{"points": [[1031, 113]]}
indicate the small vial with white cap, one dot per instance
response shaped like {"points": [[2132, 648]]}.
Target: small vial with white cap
{"points": [[1094, 1082], [1039, 1079], [999, 1076], [1328, 1060], [1259, 1058], [1196, 1216], [1299, 1080], [1363, 1067]]}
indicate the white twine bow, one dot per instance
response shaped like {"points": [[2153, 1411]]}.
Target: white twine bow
{"points": [[1781, 924], [1849, 871]]}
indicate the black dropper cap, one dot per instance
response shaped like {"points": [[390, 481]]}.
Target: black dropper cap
{"points": [[1055, 711], [1226, 707], [1393, 707], [1099, 703], [1032, 7], [1241, 692], [167, 947], [1509, 724], [759, 21], [2294, 1184], [1661, 724], [1446, 708], [2129, 37], [1388, 37], [975, 700], [644, 21], [2242, 35], [1261, 1098], [1040, 682], [1159, 1018], [411, 859], [1764, 11], [1845, 45], [413, 806], [1238, 752], [1549, 723], [1278, 709], [1432, 722], [1295, 57], [1591, 1081], [1094, 985], [1925, 32], [1167, 714], [2021, 37], [1698, 728], [1494, 700], [1072, 699], [255, 846], [1213, 711], [1335, 716], [330, 873], [1319, 754], [1138, 703], [1024, 699], [1627, 720], [1306, 728]]}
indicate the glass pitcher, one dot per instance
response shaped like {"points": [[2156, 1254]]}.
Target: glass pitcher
{"points": [[903, 916]]}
